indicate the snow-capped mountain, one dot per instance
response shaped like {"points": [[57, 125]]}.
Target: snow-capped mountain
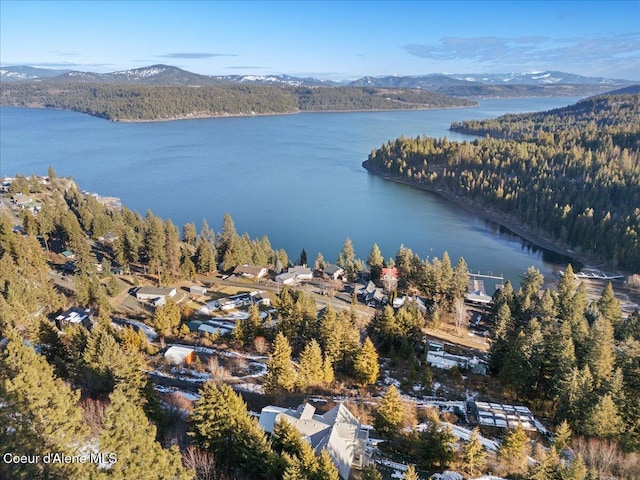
{"points": [[450, 84]]}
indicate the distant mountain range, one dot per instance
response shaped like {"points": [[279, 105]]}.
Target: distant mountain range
{"points": [[169, 75]]}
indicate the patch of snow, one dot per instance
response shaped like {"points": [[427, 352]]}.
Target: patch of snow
{"points": [[248, 387], [447, 475]]}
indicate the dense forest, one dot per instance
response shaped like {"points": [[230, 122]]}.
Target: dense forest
{"points": [[155, 102], [574, 361], [570, 174]]}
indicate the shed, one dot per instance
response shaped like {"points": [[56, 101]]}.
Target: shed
{"points": [[197, 290], [177, 355]]}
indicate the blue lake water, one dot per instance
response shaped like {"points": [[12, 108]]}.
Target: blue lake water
{"points": [[296, 178]]}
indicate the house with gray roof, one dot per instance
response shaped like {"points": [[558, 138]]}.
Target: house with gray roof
{"points": [[338, 431]]}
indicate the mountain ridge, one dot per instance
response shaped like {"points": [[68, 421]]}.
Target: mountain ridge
{"points": [[161, 74]]}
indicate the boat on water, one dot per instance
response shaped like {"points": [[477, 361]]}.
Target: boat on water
{"points": [[594, 275]]}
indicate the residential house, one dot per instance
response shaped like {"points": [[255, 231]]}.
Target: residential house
{"points": [[334, 272], [250, 271], [76, 316], [338, 431], [286, 278], [294, 275], [155, 295]]}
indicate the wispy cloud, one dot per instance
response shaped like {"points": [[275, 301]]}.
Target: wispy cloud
{"points": [[598, 53], [63, 64], [195, 55], [246, 67], [64, 54]]}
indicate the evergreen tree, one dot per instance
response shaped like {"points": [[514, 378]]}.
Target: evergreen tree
{"points": [[370, 472], [411, 473], [39, 415], [434, 446], [155, 243], [375, 260], [310, 371], [303, 258], [326, 469], [221, 424], [189, 233], [366, 367], [609, 306], [319, 262], [128, 434], [390, 413], [281, 374], [347, 259], [603, 420], [562, 437], [512, 454], [167, 317], [105, 364], [600, 351], [473, 454], [205, 256], [328, 375]]}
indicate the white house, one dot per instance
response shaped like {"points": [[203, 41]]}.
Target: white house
{"points": [[250, 271], [334, 272], [337, 431], [197, 290], [155, 293], [286, 278]]}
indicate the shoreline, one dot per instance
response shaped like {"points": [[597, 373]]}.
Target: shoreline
{"points": [[200, 116], [498, 218]]}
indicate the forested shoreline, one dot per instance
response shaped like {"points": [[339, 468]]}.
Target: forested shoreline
{"points": [[571, 175], [156, 102]]}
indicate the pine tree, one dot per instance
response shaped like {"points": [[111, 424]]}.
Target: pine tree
{"points": [[310, 371], [390, 413], [609, 306], [128, 434], [604, 419], [513, 451], [328, 375], [105, 365], [281, 374], [562, 437], [600, 351], [375, 260], [326, 469], [167, 317], [549, 468], [220, 424], [473, 454], [411, 473], [39, 414], [366, 367], [370, 472]]}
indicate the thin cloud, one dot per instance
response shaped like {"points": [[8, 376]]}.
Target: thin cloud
{"points": [[64, 64], [64, 54], [246, 67], [530, 51], [195, 55]]}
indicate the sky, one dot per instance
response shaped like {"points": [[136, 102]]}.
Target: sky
{"points": [[342, 40]]}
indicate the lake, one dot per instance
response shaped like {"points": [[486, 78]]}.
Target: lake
{"points": [[296, 178]]}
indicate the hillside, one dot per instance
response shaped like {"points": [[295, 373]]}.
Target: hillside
{"points": [[125, 102], [570, 175]]}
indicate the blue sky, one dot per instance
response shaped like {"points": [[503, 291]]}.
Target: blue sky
{"points": [[334, 40]]}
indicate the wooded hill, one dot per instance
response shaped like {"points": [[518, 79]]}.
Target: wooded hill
{"points": [[155, 102], [571, 174]]}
